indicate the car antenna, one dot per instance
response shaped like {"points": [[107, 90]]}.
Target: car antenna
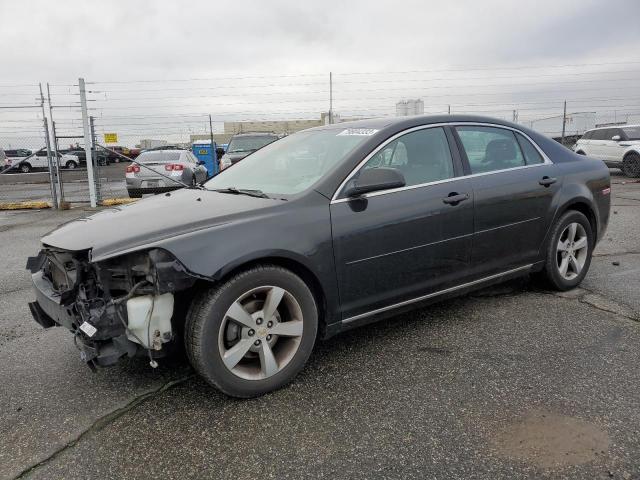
{"points": [[149, 168]]}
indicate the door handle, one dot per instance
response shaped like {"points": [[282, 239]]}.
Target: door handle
{"points": [[546, 181], [455, 198]]}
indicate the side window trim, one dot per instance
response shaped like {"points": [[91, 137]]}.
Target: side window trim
{"points": [[459, 150]]}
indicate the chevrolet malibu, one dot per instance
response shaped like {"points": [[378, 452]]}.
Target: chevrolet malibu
{"points": [[324, 230]]}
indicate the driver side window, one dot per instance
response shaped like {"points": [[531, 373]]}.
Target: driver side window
{"points": [[422, 156]]}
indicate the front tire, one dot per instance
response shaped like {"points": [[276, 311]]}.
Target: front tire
{"points": [[25, 168], [631, 165], [71, 165], [253, 333], [569, 251]]}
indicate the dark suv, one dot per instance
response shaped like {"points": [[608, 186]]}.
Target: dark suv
{"points": [[243, 144]]}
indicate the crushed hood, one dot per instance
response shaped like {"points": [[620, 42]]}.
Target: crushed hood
{"points": [[149, 221]]}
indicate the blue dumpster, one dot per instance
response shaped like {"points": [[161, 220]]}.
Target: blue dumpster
{"points": [[203, 151]]}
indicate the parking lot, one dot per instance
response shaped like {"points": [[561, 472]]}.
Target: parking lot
{"points": [[34, 186], [510, 382]]}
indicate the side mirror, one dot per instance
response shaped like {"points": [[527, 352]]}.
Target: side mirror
{"points": [[375, 179], [616, 138]]}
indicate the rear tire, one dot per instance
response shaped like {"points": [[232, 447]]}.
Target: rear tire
{"points": [[569, 251], [71, 165], [25, 168], [631, 165], [234, 348]]}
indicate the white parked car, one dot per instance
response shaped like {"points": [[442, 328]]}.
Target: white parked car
{"points": [[24, 163], [618, 147]]}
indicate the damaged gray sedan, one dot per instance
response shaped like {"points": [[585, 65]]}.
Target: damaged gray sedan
{"points": [[321, 231]]}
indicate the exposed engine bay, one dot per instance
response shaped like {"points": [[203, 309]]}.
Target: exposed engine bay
{"points": [[124, 306]]}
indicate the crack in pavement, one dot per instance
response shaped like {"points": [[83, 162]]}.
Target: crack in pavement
{"points": [[619, 254], [611, 306], [103, 422]]}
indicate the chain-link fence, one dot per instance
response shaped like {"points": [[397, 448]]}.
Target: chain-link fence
{"points": [[26, 159], [202, 115]]}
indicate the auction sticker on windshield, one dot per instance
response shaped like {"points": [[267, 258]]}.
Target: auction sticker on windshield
{"points": [[367, 132]]}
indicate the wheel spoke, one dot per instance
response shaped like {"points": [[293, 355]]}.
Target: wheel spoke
{"points": [[574, 264], [571, 235], [292, 328], [564, 264], [232, 356], [580, 243], [268, 363], [563, 246], [274, 297], [237, 313]]}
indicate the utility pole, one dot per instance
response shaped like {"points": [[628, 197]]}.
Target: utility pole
{"points": [[449, 109], [564, 122], [214, 154], [56, 161], [87, 142], [54, 196], [97, 159], [515, 116], [330, 98]]}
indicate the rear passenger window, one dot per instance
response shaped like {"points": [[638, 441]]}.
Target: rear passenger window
{"points": [[422, 156], [531, 154], [489, 148]]}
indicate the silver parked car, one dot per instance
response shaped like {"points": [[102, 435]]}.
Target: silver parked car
{"points": [[155, 166]]}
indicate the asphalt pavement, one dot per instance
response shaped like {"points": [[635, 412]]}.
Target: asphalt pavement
{"points": [[509, 382]]}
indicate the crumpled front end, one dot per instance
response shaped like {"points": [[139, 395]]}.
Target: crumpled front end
{"points": [[121, 307]]}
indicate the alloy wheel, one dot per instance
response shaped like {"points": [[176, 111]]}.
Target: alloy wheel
{"points": [[260, 333], [572, 251]]}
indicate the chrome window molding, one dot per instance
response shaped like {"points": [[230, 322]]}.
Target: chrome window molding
{"points": [[335, 199], [435, 294]]}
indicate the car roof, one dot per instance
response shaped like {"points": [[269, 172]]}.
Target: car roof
{"points": [[255, 134], [414, 120], [612, 126]]}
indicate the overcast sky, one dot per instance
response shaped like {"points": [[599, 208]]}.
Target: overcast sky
{"points": [[442, 43]]}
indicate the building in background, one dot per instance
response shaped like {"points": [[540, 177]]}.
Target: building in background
{"points": [[405, 108], [151, 143]]}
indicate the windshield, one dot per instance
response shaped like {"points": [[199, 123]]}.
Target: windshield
{"points": [[159, 156], [289, 165], [248, 144], [632, 133]]}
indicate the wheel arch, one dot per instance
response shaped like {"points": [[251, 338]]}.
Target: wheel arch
{"points": [[583, 206], [295, 265], [631, 151]]}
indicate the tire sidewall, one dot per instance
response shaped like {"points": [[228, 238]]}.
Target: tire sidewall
{"points": [[631, 165], [553, 274], [210, 363]]}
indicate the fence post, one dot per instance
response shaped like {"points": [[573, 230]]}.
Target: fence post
{"points": [[56, 160], [54, 197], [564, 122], [87, 143]]}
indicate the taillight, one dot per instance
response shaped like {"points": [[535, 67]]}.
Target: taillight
{"points": [[174, 167], [133, 169]]}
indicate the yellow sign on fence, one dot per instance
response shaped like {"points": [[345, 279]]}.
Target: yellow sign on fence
{"points": [[110, 138]]}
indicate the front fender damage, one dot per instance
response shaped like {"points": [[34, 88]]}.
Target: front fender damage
{"points": [[120, 307]]}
